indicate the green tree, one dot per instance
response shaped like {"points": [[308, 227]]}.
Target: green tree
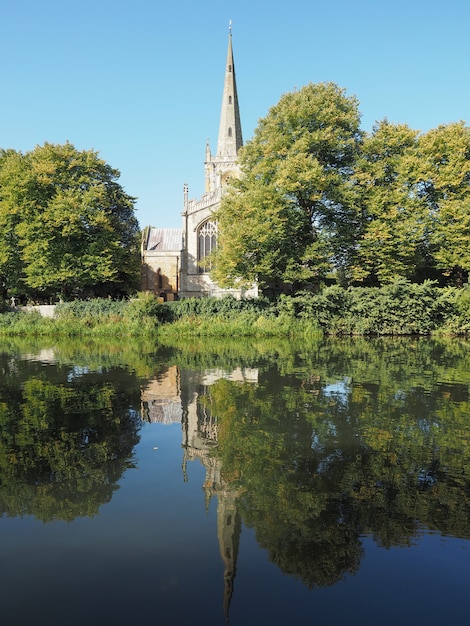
{"points": [[288, 219], [414, 193], [443, 185], [71, 227], [393, 229], [14, 177]]}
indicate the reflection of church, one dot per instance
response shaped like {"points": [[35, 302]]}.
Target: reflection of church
{"points": [[200, 436], [160, 398], [175, 261]]}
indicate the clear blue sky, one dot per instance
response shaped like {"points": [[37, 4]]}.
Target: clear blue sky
{"points": [[141, 81]]}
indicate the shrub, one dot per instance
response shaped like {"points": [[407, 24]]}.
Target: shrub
{"points": [[400, 308], [97, 308], [145, 305], [227, 307]]}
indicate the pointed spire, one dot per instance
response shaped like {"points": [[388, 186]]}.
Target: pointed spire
{"points": [[230, 129], [208, 169], [208, 152]]}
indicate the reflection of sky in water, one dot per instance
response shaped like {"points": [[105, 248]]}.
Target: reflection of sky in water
{"points": [[78, 371], [341, 388]]}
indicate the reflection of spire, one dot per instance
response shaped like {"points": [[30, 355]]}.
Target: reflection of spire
{"points": [[228, 532], [200, 433]]}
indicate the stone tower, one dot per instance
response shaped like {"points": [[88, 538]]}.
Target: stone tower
{"points": [[230, 139], [199, 225], [177, 262]]}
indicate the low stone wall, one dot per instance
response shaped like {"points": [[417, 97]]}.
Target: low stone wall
{"points": [[45, 310]]}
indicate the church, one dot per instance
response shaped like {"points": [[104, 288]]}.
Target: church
{"points": [[175, 261]]}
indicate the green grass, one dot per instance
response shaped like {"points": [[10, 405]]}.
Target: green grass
{"points": [[242, 325]]}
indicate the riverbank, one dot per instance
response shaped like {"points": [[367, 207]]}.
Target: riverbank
{"points": [[401, 308]]}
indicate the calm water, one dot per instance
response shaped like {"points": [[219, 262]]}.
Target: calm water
{"points": [[251, 484]]}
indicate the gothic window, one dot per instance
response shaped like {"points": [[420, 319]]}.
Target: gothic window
{"points": [[207, 243], [230, 99], [229, 132]]}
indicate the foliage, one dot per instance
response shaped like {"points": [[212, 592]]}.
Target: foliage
{"points": [[390, 243], [398, 308], [97, 308], [67, 227], [292, 203], [414, 190], [96, 317], [319, 199], [444, 189], [213, 317], [226, 307]]}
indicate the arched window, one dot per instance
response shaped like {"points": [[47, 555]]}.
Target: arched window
{"points": [[230, 99], [229, 132], [206, 243]]}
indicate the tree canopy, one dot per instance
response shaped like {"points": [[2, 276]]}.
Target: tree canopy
{"points": [[319, 198], [293, 201], [67, 228]]}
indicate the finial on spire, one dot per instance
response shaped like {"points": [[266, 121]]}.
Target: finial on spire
{"points": [[230, 26]]}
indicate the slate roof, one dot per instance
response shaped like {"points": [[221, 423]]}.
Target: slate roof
{"points": [[165, 239]]}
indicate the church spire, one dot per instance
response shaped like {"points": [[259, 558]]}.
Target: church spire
{"points": [[230, 129]]}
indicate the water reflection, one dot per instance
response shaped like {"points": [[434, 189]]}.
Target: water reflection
{"points": [[181, 396], [67, 436], [349, 441], [313, 447], [320, 460]]}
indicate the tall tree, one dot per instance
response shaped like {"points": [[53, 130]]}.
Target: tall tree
{"points": [[14, 178], [288, 219], [443, 185], [73, 227], [393, 226], [414, 192]]}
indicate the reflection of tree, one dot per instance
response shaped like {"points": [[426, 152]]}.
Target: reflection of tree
{"points": [[94, 353], [64, 440], [300, 516], [358, 439]]}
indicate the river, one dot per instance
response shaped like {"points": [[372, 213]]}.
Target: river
{"points": [[253, 483]]}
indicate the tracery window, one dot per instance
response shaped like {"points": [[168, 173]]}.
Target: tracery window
{"points": [[207, 243]]}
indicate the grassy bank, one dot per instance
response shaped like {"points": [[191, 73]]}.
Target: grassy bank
{"points": [[401, 308]]}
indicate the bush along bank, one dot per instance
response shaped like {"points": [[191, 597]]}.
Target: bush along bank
{"points": [[401, 308]]}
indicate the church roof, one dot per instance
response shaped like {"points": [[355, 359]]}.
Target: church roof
{"points": [[165, 239]]}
